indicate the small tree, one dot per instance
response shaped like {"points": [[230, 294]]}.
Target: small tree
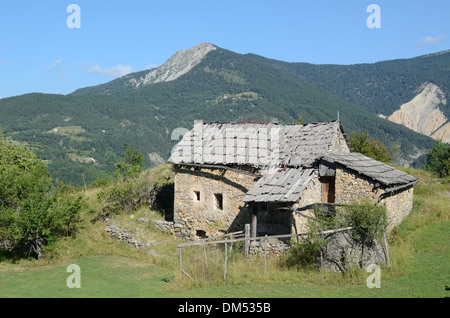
{"points": [[130, 190], [366, 145], [32, 214], [299, 120], [438, 159], [131, 165], [368, 220]]}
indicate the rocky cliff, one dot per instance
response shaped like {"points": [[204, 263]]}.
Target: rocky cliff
{"points": [[422, 113], [180, 63]]}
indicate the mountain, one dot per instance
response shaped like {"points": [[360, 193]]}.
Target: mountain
{"points": [[80, 135], [381, 87], [423, 113], [180, 63], [387, 87]]}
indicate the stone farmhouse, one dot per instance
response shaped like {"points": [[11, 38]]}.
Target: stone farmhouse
{"points": [[231, 174]]}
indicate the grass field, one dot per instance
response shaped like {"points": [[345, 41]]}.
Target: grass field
{"points": [[419, 250]]}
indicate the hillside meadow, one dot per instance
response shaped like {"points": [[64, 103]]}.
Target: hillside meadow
{"points": [[419, 252]]}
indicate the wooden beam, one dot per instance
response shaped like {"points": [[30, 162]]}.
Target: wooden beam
{"points": [[254, 219], [221, 167], [262, 237]]}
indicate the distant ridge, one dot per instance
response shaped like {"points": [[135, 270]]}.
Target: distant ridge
{"points": [[179, 64], [146, 108]]}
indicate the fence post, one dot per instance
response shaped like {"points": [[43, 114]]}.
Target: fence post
{"points": [[247, 241], [386, 248], [265, 255], [226, 260], [204, 253], [179, 259]]}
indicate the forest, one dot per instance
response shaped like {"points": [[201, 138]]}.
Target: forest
{"points": [[94, 122]]}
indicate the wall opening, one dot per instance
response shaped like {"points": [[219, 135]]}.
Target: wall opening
{"points": [[262, 208], [218, 201], [328, 189], [197, 196], [201, 234]]}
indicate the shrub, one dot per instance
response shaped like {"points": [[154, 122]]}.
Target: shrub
{"points": [[306, 253], [368, 220], [32, 215], [126, 195], [366, 145], [131, 164], [438, 159]]}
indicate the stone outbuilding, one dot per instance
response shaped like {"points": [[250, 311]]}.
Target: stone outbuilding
{"points": [[231, 174]]}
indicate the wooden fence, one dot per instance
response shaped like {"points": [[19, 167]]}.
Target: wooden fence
{"points": [[242, 236]]}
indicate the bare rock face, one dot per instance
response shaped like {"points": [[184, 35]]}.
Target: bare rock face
{"points": [[422, 113], [180, 63], [342, 253]]}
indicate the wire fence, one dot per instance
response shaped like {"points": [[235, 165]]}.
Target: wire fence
{"points": [[206, 258]]}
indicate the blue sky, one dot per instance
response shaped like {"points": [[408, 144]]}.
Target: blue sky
{"points": [[40, 53]]}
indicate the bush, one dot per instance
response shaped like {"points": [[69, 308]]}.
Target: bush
{"points": [[367, 219], [32, 214], [305, 254], [131, 164], [438, 159], [126, 195], [364, 144]]}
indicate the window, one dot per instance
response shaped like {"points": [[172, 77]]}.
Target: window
{"points": [[197, 196], [219, 201], [201, 234]]}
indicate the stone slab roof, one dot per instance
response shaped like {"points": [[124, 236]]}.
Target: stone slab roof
{"points": [[255, 144], [371, 168], [284, 185]]}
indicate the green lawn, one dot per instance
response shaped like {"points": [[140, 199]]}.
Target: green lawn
{"points": [[114, 276], [100, 276]]}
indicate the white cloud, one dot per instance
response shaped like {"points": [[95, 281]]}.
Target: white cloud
{"points": [[54, 66], [430, 40], [116, 71]]}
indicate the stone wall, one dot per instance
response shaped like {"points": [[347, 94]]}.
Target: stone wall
{"points": [[196, 217], [398, 205], [351, 187], [339, 143], [311, 195]]}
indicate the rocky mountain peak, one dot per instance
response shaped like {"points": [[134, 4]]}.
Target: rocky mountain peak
{"points": [[180, 63]]}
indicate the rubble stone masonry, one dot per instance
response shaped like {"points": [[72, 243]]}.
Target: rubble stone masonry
{"points": [[351, 187], [196, 208], [197, 212]]}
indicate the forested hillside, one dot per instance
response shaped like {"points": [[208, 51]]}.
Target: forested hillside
{"points": [[381, 87], [68, 131]]}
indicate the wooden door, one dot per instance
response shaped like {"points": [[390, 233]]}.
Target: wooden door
{"points": [[328, 189]]}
